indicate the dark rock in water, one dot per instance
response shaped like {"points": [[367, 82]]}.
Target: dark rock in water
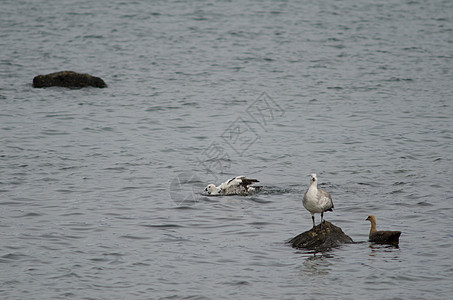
{"points": [[321, 238], [68, 79]]}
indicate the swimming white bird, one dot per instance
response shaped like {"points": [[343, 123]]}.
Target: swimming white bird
{"points": [[316, 200], [239, 185]]}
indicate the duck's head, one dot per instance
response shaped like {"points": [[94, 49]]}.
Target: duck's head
{"points": [[372, 219]]}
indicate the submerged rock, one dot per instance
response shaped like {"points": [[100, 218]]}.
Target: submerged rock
{"points": [[68, 79], [321, 238]]}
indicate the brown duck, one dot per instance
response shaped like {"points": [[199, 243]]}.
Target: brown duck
{"points": [[382, 237]]}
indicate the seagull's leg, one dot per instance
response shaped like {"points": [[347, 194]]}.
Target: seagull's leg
{"points": [[322, 216], [313, 218]]}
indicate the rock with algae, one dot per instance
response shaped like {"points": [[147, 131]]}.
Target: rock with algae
{"points": [[68, 79], [321, 238]]}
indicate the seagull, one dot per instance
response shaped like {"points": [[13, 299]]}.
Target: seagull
{"points": [[382, 237], [316, 200], [239, 185]]}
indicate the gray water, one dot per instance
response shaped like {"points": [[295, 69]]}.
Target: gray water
{"points": [[100, 189]]}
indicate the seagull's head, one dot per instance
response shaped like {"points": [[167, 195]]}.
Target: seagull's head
{"points": [[313, 178], [211, 189]]}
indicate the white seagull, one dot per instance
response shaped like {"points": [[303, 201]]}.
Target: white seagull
{"points": [[316, 200], [239, 185]]}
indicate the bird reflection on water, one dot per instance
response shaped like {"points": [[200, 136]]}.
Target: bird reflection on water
{"points": [[316, 265]]}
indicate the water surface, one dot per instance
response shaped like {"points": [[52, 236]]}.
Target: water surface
{"points": [[100, 188]]}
